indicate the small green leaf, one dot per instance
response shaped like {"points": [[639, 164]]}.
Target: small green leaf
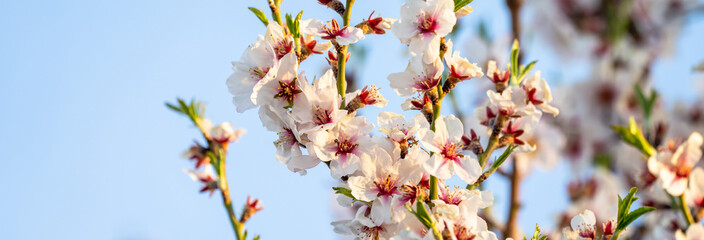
{"points": [[624, 217], [635, 215], [634, 137], [343, 191], [503, 157], [525, 70], [459, 4], [514, 60], [259, 14], [256, 237]]}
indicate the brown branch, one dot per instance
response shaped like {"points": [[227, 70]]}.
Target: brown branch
{"points": [[512, 228]]}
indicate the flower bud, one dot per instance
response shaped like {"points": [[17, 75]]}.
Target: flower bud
{"points": [[250, 208]]}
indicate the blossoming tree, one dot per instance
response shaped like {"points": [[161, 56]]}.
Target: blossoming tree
{"points": [[394, 175]]}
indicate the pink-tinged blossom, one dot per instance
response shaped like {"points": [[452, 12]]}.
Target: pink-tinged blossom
{"points": [[511, 102], [695, 192], [286, 89], [495, 75], [381, 183], [674, 165], [362, 227], [460, 68], [289, 143], [257, 65], [422, 24], [315, 46], [369, 95], [206, 176], [343, 145], [694, 232], [322, 110], [583, 226], [446, 143], [282, 44], [377, 25], [197, 153], [397, 129], [520, 129], [418, 76], [223, 133], [332, 31], [538, 93]]}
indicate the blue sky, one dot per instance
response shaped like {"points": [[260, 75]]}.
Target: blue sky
{"points": [[90, 151]]}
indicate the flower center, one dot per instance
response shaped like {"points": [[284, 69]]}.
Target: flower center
{"points": [[287, 91], [451, 151], [462, 233], [286, 138], [427, 23], [345, 146], [386, 185], [281, 48], [321, 116], [258, 73], [426, 82]]}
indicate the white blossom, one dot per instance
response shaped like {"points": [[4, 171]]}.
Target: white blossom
{"points": [[418, 76], [446, 143], [422, 24]]}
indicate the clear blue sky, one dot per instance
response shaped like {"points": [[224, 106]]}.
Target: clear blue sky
{"points": [[90, 152]]}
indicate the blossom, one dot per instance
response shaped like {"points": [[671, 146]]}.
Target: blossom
{"points": [[521, 127], [695, 191], [446, 143], [584, 225], [250, 208], [313, 46], [460, 68], [282, 44], [321, 110], [289, 143], [205, 176], [400, 132], [223, 133], [673, 166], [343, 36], [197, 153], [284, 90], [511, 102], [422, 24], [362, 227], [694, 232], [257, 65], [343, 145], [418, 76], [538, 93], [369, 95], [380, 183], [377, 25]]}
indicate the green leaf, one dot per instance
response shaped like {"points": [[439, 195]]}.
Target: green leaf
{"points": [[343, 191], [635, 215], [514, 60], [525, 70], [256, 237], [423, 215], [503, 157], [646, 103], [634, 137], [260, 15], [624, 217], [459, 4]]}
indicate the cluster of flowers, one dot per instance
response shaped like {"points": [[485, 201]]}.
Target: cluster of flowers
{"points": [[397, 179]]}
